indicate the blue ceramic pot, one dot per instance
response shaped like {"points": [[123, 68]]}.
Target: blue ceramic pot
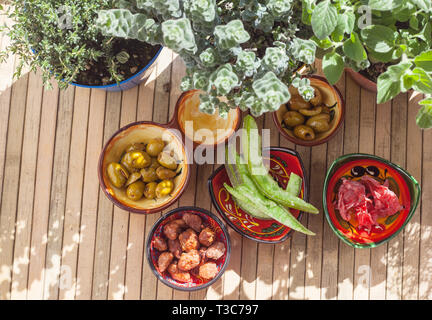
{"points": [[131, 82]]}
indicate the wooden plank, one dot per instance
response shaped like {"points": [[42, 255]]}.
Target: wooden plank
{"points": [[398, 156], [297, 267], [45, 158], [249, 260], [11, 174], [161, 115], [116, 286], [378, 257], [266, 252], [366, 145], [351, 138], [6, 70], [58, 193], [188, 197], [315, 223], [6, 81], [136, 263], [425, 265], [411, 250], [72, 216], [26, 188], [329, 280], [90, 197], [105, 208]]}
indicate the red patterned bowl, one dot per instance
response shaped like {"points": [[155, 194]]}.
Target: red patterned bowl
{"points": [[209, 219], [282, 162], [353, 166]]}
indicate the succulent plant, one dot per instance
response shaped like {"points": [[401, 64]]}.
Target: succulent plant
{"points": [[247, 51]]}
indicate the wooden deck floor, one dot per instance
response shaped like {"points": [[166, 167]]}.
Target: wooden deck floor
{"points": [[61, 238]]}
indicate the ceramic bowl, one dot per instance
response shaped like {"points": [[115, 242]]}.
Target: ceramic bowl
{"points": [[400, 182], [143, 132], [282, 162], [331, 96], [205, 129], [209, 219]]}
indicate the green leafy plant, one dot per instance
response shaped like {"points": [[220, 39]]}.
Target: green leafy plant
{"points": [[247, 51], [60, 38], [394, 33]]}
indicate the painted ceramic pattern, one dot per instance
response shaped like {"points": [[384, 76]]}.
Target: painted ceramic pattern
{"points": [[196, 280], [282, 163], [387, 225]]}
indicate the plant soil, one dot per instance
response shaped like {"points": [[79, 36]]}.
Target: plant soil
{"points": [[97, 73], [374, 71]]}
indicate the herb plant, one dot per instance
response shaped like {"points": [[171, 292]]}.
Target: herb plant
{"points": [[60, 38], [246, 51], [395, 33]]}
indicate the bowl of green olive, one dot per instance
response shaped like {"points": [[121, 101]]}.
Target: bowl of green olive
{"points": [[144, 167], [313, 122]]}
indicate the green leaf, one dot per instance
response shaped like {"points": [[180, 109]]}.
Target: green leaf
{"points": [[424, 81], [324, 43], [424, 117], [424, 61], [382, 57], [353, 48], [384, 5], [333, 66], [389, 83], [324, 19], [379, 38], [423, 4], [338, 33]]}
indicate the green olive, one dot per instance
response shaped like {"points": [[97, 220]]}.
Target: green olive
{"points": [[164, 188], [325, 109], [154, 163], [296, 103], [150, 190], [135, 147], [149, 174], [164, 173], [135, 191], [154, 147], [322, 116], [136, 160], [304, 132], [117, 174], [317, 99], [293, 118], [318, 124], [134, 176], [311, 112], [166, 160]]}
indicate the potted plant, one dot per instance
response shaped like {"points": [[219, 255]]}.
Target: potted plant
{"points": [[245, 51], [61, 39], [386, 45]]}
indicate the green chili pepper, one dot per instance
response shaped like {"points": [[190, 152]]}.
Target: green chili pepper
{"points": [[236, 174], [294, 184], [274, 210], [251, 146]]}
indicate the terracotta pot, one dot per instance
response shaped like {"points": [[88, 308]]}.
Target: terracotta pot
{"points": [[362, 81]]}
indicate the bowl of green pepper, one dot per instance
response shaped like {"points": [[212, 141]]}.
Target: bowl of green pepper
{"points": [[268, 207]]}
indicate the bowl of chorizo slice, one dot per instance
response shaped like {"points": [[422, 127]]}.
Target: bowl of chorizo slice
{"points": [[188, 248]]}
